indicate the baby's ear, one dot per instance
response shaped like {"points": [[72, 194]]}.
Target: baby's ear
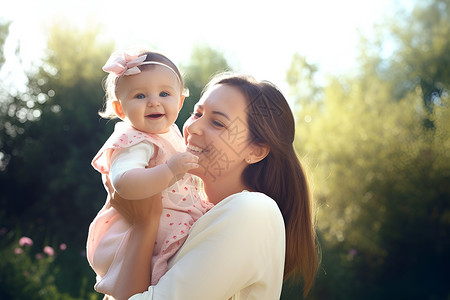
{"points": [[180, 105], [118, 109]]}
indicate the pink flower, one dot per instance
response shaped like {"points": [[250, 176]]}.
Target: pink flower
{"points": [[63, 246], [39, 256], [352, 252], [18, 251], [49, 251], [25, 241]]}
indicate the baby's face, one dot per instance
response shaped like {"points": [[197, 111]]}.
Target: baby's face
{"points": [[150, 100]]}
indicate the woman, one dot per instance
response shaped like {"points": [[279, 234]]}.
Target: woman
{"points": [[261, 229]]}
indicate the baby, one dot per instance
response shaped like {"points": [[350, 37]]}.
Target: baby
{"points": [[142, 158]]}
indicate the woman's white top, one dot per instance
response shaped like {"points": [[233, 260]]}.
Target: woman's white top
{"points": [[235, 251]]}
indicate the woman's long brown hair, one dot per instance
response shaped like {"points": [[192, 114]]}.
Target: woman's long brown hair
{"points": [[280, 174]]}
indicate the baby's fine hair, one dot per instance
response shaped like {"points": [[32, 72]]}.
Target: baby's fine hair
{"points": [[110, 82]]}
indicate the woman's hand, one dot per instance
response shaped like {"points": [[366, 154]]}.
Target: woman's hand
{"points": [[135, 273], [138, 211]]}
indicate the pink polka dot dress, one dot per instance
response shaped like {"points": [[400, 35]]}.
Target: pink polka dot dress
{"points": [[109, 231]]}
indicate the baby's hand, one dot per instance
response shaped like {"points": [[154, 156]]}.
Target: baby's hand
{"points": [[180, 163]]}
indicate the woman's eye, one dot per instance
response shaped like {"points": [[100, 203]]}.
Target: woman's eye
{"points": [[196, 115], [140, 96], [218, 124], [164, 94]]}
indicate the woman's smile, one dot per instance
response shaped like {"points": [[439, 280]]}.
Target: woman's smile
{"points": [[194, 149]]}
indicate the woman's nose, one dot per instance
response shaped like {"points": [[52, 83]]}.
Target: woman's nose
{"points": [[192, 126]]}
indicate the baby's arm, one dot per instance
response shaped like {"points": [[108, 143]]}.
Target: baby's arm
{"points": [[134, 181]]}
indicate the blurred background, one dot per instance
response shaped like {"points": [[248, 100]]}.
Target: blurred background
{"points": [[368, 83]]}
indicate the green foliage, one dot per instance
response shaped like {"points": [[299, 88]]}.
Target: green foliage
{"points": [[421, 48], [48, 136], [301, 78], [4, 30], [30, 271], [204, 63], [380, 181], [378, 144]]}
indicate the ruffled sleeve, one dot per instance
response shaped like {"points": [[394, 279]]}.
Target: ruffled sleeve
{"points": [[124, 136]]}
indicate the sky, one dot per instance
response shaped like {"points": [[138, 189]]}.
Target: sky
{"points": [[256, 37]]}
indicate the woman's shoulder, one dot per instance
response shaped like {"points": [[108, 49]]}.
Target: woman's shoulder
{"points": [[253, 199], [251, 204], [241, 212]]}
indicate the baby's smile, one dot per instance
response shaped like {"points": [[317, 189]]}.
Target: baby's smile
{"points": [[154, 116]]}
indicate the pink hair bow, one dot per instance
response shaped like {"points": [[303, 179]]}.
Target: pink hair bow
{"points": [[125, 64]]}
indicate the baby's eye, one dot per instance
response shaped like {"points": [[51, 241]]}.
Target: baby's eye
{"points": [[164, 94], [140, 96]]}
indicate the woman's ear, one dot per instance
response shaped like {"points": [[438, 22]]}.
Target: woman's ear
{"points": [[257, 153], [118, 109]]}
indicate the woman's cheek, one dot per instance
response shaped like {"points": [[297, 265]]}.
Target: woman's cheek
{"points": [[185, 132]]}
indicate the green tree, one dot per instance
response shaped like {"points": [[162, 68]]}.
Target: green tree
{"points": [[203, 64], [301, 78], [52, 131], [48, 136], [380, 175], [420, 47], [4, 30]]}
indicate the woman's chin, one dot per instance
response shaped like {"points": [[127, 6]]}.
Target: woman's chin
{"points": [[201, 172]]}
